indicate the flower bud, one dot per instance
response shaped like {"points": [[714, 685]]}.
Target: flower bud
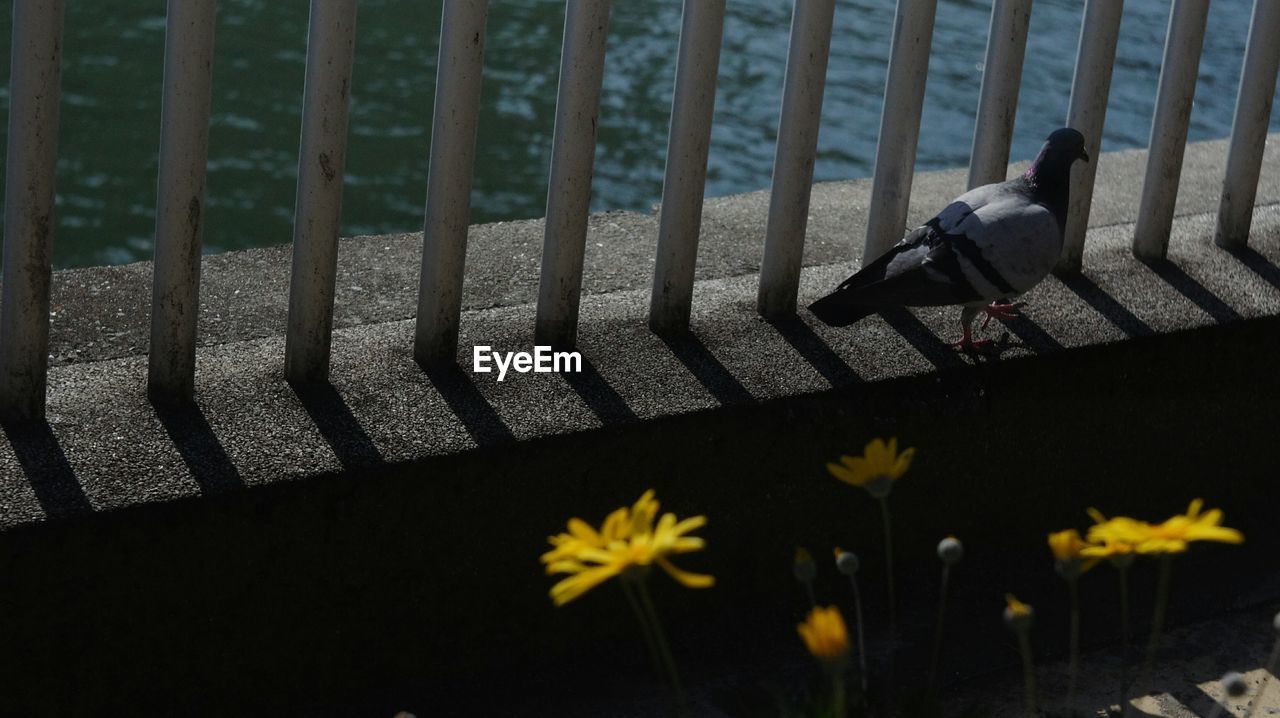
{"points": [[804, 567], [1234, 684], [950, 550], [1017, 615], [847, 562]]}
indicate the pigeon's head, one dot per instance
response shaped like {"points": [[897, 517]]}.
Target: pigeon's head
{"points": [[1066, 144], [1052, 169]]}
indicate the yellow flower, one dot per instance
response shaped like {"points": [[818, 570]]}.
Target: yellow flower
{"points": [[627, 540], [1015, 607], [1017, 615], [824, 633], [876, 470], [618, 526], [1068, 548], [1111, 547], [1172, 536]]}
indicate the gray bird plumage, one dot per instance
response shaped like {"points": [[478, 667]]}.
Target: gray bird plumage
{"points": [[993, 242]]}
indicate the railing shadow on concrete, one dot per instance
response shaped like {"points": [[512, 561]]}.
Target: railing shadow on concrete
{"points": [[602, 399], [1259, 264], [52, 478], [478, 416], [707, 369], [1187, 286], [817, 352], [339, 427], [1033, 336], [923, 339], [201, 450], [1106, 305]]}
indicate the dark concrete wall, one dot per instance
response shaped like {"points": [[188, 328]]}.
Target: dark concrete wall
{"points": [[418, 587]]}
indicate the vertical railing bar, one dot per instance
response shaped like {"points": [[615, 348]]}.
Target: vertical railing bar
{"points": [[998, 100], [899, 125], [1249, 129], [1087, 113], [453, 150], [1169, 128], [794, 157], [184, 153], [573, 149], [684, 184], [322, 155], [35, 83]]}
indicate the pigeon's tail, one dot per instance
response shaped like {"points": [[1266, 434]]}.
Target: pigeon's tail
{"points": [[838, 310]]}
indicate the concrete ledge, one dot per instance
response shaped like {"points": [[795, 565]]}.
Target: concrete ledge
{"points": [[106, 447], [102, 312]]}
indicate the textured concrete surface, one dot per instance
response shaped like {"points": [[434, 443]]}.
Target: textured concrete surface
{"points": [[1187, 676], [104, 446], [101, 312]]}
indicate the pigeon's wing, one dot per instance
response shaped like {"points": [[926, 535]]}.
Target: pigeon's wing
{"points": [[991, 242], [921, 270], [1007, 246], [925, 268]]}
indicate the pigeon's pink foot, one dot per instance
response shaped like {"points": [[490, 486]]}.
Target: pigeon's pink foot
{"points": [[966, 344], [1000, 311]]}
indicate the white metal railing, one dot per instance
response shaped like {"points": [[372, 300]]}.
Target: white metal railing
{"points": [[184, 155], [34, 92], [322, 153], [453, 152], [1087, 112], [33, 125], [998, 101], [794, 157], [688, 144], [899, 125], [1178, 73]]}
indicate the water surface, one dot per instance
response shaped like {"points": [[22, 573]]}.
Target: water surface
{"points": [[111, 106]]}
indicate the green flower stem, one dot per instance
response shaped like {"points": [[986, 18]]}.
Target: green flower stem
{"points": [[1073, 669], [629, 589], [837, 689], [1024, 648], [888, 564], [888, 572], [813, 599], [862, 648], [1125, 635], [1272, 664], [1028, 671], [1157, 627], [937, 634], [663, 648]]}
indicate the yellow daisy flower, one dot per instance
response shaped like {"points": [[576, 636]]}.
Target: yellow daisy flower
{"points": [[1173, 535], [824, 633], [878, 467], [627, 540], [1120, 552], [1068, 548]]}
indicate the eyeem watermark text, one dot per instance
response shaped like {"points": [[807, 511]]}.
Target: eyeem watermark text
{"points": [[541, 361]]}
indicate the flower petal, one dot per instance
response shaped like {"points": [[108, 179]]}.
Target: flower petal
{"points": [[903, 463], [689, 580]]}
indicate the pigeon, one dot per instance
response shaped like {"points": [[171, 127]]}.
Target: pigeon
{"points": [[988, 246]]}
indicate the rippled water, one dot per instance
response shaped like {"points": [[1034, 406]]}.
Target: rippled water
{"points": [[111, 116]]}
